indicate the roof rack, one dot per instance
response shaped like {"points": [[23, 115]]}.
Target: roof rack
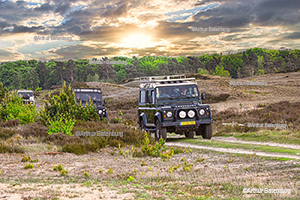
{"points": [[168, 78], [149, 82], [86, 89]]}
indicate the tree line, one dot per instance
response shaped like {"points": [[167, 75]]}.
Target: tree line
{"points": [[43, 74]]}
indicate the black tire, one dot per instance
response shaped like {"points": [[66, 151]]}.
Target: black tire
{"points": [[206, 131], [143, 126], [198, 131], [160, 132], [189, 134]]}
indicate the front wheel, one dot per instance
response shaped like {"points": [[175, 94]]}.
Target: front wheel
{"points": [[206, 131], [160, 132]]}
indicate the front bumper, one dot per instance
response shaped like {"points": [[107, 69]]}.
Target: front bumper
{"points": [[176, 125], [28, 101], [103, 115], [103, 112]]}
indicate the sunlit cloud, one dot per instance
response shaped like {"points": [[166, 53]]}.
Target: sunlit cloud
{"points": [[127, 27]]}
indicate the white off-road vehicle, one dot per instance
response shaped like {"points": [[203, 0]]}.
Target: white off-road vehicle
{"points": [[27, 96]]}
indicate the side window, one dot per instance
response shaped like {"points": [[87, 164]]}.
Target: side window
{"points": [[153, 97], [148, 96], [142, 96], [195, 92]]}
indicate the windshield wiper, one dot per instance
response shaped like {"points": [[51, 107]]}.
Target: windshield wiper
{"points": [[186, 97], [163, 98]]}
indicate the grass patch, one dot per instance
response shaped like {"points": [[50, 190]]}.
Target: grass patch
{"points": [[283, 137], [222, 144], [28, 166], [28, 159]]}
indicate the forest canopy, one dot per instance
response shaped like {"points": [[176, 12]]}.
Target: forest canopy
{"points": [[35, 74]]}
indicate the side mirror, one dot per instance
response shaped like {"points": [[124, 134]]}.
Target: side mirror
{"points": [[203, 96], [105, 101]]}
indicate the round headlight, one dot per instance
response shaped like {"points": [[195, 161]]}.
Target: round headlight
{"points": [[191, 114], [182, 114], [100, 112], [169, 114], [202, 111]]}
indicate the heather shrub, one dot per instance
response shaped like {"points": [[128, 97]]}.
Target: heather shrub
{"points": [[10, 123]]}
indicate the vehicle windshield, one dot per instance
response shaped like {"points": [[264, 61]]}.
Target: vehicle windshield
{"points": [[26, 94], [177, 92], [85, 96]]}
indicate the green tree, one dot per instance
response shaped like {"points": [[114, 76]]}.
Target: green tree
{"points": [[70, 70], [64, 106], [202, 71], [31, 79], [16, 83], [3, 91], [219, 71], [43, 74]]}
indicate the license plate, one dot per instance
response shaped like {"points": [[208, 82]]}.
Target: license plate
{"points": [[187, 123]]}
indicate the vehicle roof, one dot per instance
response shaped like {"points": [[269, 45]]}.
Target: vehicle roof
{"points": [[24, 91], [96, 90], [154, 85]]}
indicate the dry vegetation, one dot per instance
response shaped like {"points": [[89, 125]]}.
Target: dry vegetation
{"points": [[97, 170]]}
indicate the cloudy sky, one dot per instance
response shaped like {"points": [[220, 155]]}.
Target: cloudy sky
{"points": [[74, 29]]}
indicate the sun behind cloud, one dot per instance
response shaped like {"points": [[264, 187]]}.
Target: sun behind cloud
{"points": [[137, 40]]}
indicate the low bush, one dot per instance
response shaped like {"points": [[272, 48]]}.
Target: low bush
{"points": [[81, 148], [279, 113], [13, 108], [211, 98], [59, 167], [155, 150], [28, 166], [6, 133], [28, 159], [61, 123], [10, 123], [9, 148], [61, 112], [34, 130], [85, 144]]}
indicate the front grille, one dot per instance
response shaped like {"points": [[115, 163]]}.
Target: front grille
{"points": [[185, 106], [187, 128]]}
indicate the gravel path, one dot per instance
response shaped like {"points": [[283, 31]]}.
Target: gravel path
{"points": [[273, 144], [230, 150]]}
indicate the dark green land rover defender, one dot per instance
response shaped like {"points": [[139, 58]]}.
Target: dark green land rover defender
{"points": [[83, 95], [173, 104]]}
